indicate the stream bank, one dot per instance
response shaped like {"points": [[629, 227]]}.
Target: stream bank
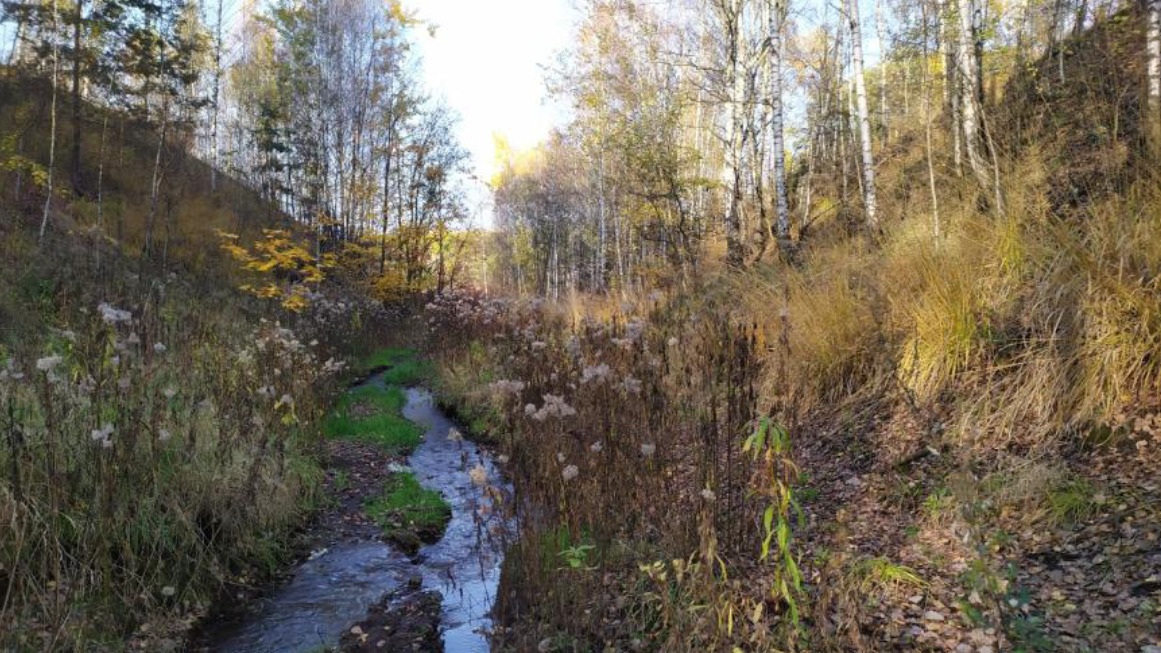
{"points": [[356, 587]]}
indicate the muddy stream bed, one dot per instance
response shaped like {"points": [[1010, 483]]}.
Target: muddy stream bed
{"points": [[333, 590]]}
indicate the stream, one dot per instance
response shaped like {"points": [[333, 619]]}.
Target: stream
{"points": [[334, 589]]}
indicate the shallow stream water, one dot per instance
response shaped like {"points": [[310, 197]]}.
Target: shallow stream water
{"points": [[332, 591]]}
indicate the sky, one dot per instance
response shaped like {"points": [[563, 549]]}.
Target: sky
{"points": [[486, 59]]}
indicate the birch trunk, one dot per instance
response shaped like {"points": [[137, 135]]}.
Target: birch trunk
{"points": [[1153, 101], [864, 120], [735, 232], [215, 163], [778, 146], [926, 84], [52, 126], [968, 86], [78, 17], [881, 34]]}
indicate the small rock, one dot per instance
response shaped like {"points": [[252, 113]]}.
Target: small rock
{"points": [[963, 648], [932, 615]]}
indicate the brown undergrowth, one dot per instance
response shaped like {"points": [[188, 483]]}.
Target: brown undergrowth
{"points": [[973, 416]]}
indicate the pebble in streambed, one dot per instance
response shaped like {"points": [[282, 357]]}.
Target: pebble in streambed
{"points": [[352, 583]]}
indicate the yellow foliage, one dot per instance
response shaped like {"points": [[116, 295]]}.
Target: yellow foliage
{"points": [[278, 255]]}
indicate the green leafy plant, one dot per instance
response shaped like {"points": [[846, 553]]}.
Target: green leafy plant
{"points": [[770, 445]]}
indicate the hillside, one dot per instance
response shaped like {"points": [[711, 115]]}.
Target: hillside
{"points": [[773, 344], [160, 425], [956, 431]]}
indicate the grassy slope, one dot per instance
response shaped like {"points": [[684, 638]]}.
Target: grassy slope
{"points": [[1021, 349], [975, 418], [207, 468]]}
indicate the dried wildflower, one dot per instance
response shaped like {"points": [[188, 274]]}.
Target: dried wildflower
{"points": [[164, 435], [168, 591], [266, 392], [539, 345], [708, 495], [113, 315], [504, 386], [170, 392], [503, 459], [48, 363], [631, 385], [529, 409], [479, 475], [594, 373], [570, 472], [103, 436], [635, 329], [560, 457], [672, 341], [596, 447], [159, 348], [454, 435], [284, 400], [648, 449], [554, 406]]}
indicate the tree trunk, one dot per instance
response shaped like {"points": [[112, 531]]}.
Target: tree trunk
{"points": [[216, 163], [78, 17], [926, 82], [881, 33], [735, 230], [155, 186], [1153, 102], [778, 147], [101, 187], [1081, 14], [969, 94], [52, 125], [864, 120]]}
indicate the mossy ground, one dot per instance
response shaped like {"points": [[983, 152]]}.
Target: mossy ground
{"points": [[403, 366], [373, 413], [409, 513]]}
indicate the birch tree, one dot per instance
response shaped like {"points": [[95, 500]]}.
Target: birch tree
{"points": [[852, 11], [778, 153], [52, 127], [969, 85], [730, 15], [1153, 68]]}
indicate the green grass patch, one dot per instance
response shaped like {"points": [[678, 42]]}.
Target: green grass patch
{"points": [[404, 367], [409, 513], [372, 413]]}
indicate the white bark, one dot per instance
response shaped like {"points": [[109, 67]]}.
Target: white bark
{"points": [[969, 84], [735, 231], [926, 83], [778, 147], [216, 163], [864, 121], [881, 34], [1153, 68], [52, 127]]}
